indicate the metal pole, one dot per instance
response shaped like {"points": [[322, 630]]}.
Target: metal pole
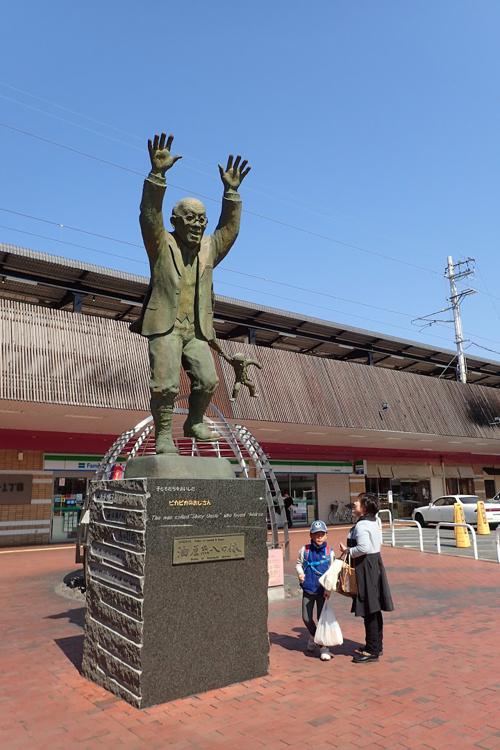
{"points": [[456, 525], [474, 540], [459, 337], [390, 500]]}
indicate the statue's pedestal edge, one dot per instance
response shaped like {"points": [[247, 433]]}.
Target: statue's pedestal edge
{"points": [[173, 466]]}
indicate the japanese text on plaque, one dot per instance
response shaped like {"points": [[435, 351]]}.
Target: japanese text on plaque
{"points": [[194, 549]]}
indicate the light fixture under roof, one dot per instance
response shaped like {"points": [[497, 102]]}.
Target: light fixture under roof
{"points": [[82, 416], [130, 302], [30, 282]]}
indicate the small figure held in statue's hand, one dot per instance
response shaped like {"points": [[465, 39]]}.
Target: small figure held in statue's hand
{"points": [[240, 366]]}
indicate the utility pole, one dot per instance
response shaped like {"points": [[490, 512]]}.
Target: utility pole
{"points": [[459, 270]]}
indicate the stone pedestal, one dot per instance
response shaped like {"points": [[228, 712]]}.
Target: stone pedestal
{"points": [[181, 467], [177, 586]]}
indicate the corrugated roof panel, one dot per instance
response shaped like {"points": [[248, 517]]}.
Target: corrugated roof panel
{"points": [[91, 279]]}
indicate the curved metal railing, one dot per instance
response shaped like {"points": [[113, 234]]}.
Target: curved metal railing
{"points": [[236, 443]]}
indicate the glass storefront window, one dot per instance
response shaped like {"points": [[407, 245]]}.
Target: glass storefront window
{"points": [[407, 494], [489, 488], [378, 487], [69, 496], [459, 486], [302, 488]]}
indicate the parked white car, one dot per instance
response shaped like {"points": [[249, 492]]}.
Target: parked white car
{"points": [[441, 510]]}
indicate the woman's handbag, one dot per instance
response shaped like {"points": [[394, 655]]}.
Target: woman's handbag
{"points": [[347, 584]]}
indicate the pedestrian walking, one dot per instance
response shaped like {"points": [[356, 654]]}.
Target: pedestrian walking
{"points": [[373, 594], [314, 559], [288, 502]]}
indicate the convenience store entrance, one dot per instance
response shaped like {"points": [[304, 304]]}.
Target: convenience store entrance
{"points": [[69, 495], [302, 489]]}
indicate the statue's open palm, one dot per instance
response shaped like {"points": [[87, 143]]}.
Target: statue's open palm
{"points": [[159, 153], [234, 173]]}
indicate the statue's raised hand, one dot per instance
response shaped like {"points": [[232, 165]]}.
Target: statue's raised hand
{"points": [[159, 153], [234, 173]]}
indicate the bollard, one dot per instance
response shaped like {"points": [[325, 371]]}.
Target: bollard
{"points": [[483, 526], [461, 533]]}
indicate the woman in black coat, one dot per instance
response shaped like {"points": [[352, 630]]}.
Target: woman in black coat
{"points": [[374, 596]]}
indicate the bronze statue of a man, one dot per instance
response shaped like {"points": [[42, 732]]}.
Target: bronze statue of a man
{"points": [[177, 315]]}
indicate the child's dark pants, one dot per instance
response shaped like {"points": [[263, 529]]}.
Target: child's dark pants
{"points": [[308, 601]]}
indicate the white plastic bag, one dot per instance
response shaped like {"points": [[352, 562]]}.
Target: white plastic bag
{"points": [[329, 579], [328, 632]]}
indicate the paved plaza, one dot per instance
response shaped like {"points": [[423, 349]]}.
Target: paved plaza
{"points": [[437, 685]]}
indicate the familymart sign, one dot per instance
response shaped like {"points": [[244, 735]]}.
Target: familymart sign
{"points": [[319, 467], [62, 462]]}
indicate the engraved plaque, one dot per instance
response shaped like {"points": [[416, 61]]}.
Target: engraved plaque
{"points": [[195, 549]]}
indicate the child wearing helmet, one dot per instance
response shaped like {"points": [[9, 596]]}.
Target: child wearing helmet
{"points": [[314, 559]]}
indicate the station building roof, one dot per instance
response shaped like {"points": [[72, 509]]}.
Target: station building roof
{"points": [[55, 282]]}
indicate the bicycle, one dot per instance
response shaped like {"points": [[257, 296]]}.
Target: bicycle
{"points": [[340, 513]]}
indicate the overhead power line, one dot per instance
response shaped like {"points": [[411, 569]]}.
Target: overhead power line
{"points": [[67, 109], [224, 269], [74, 244], [486, 349], [227, 270], [70, 122], [317, 235], [314, 291], [264, 217], [69, 148], [138, 138], [283, 198], [73, 229], [323, 307]]}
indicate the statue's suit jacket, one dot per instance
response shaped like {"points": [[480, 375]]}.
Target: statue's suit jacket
{"points": [[165, 259]]}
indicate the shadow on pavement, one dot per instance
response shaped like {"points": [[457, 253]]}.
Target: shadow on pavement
{"points": [[74, 616], [72, 648], [298, 643]]}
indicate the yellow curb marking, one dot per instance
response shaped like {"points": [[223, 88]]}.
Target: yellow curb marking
{"points": [[35, 549]]}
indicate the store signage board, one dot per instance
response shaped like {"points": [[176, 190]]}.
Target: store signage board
{"points": [[321, 467], [360, 467], [15, 489], [62, 462], [275, 567]]}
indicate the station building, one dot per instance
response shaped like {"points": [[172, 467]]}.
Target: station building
{"points": [[340, 410]]}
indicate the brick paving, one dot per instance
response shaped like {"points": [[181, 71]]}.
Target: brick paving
{"points": [[437, 685]]}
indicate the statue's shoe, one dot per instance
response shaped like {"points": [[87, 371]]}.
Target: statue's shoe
{"points": [[165, 445], [201, 432]]}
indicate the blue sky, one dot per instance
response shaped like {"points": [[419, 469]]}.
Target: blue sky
{"points": [[372, 129]]}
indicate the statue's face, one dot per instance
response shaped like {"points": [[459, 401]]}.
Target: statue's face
{"points": [[189, 220]]}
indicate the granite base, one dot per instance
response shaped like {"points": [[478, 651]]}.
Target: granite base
{"points": [[177, 586]]}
